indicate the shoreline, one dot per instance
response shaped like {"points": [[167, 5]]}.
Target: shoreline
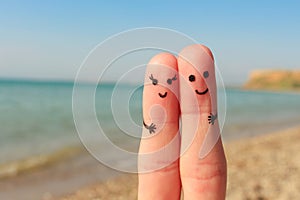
{"points": [[36, 162], [18, 167], [78, 175], [256, 168], [61, 177]]}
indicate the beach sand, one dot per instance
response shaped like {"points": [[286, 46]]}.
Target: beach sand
{"points": [[259, 168]]}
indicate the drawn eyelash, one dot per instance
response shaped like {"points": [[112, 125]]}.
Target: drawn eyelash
{"points": [[170, 80], [154, 81]]}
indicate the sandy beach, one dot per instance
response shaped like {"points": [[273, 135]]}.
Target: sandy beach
{"points": [[259, 168]]}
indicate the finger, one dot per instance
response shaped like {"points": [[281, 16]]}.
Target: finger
{"points": [[159, 148], [203, 163]]}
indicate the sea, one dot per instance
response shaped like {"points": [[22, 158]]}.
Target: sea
{"points": [[37, 117]]}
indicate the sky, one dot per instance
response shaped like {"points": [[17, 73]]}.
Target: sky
{"points": [[48, 40]]}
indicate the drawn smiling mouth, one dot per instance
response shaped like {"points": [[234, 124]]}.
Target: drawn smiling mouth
{"points": [[202, 93], [163, 95]]}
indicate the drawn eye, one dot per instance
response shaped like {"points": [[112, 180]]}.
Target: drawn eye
{"points": [[205, 74], [170, 80], [192, 78], [154, 81]]}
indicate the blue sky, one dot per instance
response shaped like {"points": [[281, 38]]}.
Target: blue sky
{"points": [[50, 39]]}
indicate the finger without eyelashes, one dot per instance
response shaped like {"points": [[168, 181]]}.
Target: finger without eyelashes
{"points": [[202, 164]]}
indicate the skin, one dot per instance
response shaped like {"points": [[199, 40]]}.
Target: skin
{"points": [[163, 179], [202, 178], [199, 177]]}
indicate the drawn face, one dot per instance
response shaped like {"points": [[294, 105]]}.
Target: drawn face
{"points": [[192, 78], [197, 80], [195, 87], [168, 81], [161, 92]]}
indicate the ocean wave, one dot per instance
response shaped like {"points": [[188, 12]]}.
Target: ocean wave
{"points": [[18, 167]]}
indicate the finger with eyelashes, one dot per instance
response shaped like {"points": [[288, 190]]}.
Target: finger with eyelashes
{"points": [[160, 146], [203, 163]]}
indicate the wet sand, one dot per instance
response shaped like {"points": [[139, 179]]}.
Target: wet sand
{"points": [[260, 168], [55, 179]]}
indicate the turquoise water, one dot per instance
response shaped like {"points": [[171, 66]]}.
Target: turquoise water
{"points": [[36, 117]]}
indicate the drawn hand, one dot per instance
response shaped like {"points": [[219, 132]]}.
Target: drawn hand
{"points": [[151, 128], [212, 118]]}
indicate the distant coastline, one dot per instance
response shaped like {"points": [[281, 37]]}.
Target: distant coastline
{"points": [[274, 80]]}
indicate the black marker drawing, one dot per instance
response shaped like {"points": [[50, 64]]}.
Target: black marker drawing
{"points": [[154, 81], [212, 118], [162, 95], [170, 80], [201, 93], [192, 78], [151, 128], [205, 74]]}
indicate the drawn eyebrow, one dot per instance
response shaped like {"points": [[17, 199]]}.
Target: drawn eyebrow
{"points": [[151, 77], [174, 78], [154, 81], [169, 81]]}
